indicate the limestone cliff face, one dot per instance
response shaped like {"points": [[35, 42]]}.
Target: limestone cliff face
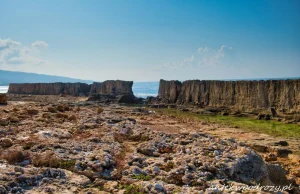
{"points": [[169, 90], [113, 91], [95, 88], [245, 95], [118, 87], [74, 89]]}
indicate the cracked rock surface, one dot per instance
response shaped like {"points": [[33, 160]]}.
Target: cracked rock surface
{"points": [[52, 144]]}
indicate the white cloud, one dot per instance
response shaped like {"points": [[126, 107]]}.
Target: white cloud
{"points": [[14, 53], [8, 43], [204, 57], [39, 44]]}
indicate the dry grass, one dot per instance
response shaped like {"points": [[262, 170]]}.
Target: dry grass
{"points": [[48, 159], [99, 110], [119, 137], [14, 156], [168, 166], [120, 159]]}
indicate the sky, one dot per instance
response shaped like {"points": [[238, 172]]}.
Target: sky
{"points": [[143, 40]]}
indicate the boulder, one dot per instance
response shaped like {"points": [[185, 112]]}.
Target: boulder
{"points": [[3, 99], [250, 170], [5, 142], [128, 99], [4, 122], [277, 175]]}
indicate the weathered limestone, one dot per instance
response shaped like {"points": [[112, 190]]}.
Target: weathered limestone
{"points": [[117, 87], [75, 89], [282, 95], [3, 99], [110, 87], [169, 90], [112, 91]]}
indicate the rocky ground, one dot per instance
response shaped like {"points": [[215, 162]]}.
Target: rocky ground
{"points": [[57, 144]]}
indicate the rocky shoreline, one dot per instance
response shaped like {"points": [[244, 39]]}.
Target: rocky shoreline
{"points": [[65, 144]]}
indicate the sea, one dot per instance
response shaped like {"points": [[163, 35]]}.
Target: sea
{"points": [[140, 89], [3, 89]]}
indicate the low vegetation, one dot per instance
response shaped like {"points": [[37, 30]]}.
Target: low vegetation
{"points": [[132, 189], [271, 127], [48, 159], [142, 177], [14, 156]]}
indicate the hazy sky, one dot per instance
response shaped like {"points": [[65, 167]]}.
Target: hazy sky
{"points": [[147, 40]]}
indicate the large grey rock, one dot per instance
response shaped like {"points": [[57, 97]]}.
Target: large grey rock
{"points": [[251, 169]]}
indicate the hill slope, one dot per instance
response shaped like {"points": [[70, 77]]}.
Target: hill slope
{"points": [[7, 77]]}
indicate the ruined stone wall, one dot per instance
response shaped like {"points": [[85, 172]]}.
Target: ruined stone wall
{"points": [[281, 94], [74, 89]]}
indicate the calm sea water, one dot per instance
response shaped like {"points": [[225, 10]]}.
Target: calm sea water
{"points": [[144, 89], [3, 89], [140, 89]]}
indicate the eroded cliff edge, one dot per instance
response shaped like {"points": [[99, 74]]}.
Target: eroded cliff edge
{"points": [[280, 95], [113, 91], [118, 87], [75, 89], [108, 91]]}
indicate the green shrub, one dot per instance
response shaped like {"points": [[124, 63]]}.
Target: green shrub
{"points": [[142, 177]]}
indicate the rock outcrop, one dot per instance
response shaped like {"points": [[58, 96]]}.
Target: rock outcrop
{"points": [[169, 90], [115, 87], [280, 95], [117, 91], [3, 99], [75, 89], [110, 87]]}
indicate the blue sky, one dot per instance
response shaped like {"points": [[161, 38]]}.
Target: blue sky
{"points": [[147, 40]]}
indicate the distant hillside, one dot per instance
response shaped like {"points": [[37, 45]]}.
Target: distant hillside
{"points": [[7, 77]]}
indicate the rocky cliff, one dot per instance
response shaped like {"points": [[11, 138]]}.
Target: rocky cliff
{"points": [[111, 87], [169, 90], [117, 87], [283, 95], [113, 91], [95, 88], [3, 99], [74, 89]]}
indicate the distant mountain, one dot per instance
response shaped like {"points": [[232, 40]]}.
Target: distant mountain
{"points": [[7, 77]]}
